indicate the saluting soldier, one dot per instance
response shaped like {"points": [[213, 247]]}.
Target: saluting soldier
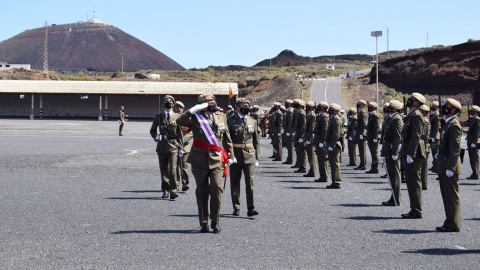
{"points": [[182, 173], [360, 135], [300, 137], [168, 135], [373, 128], [334, 146], [392, 140], [212, 150], [246, 147], [289, 130], [424, 176], [449, 165], [309, 136], [277, 131], [413, 151], [435, 125], [351, 127], [472, 141], [320, 141]]}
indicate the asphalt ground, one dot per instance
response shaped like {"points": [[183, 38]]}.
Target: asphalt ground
{"points": [[75, 195]]}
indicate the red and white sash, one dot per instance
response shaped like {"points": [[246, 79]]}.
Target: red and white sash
{"points": [[207, 129]]}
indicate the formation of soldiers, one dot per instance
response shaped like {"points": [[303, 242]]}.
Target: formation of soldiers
{"points": [[313, 133]]}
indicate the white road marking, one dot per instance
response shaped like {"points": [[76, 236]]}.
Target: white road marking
{"points": [[460, 247], [326, 85], [132, 152]]}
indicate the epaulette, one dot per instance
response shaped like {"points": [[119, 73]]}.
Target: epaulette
{"points": [[454, 122]]}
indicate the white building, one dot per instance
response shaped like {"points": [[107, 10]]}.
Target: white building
{"points": [[7, 66], [330, 66]]}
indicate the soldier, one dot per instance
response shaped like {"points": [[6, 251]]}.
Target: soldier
{"points": [[299, 137], [351, 127], [277, 131], [254, 114], [230, 110], [386, 118], [449, 165], [320, 141], [341, 114], [333, 145], [309, 135], [424, 175], [122, 120], [207, 158], [246, 147], [168, 135], [284, 112], [472, 141], [413, 151], [182, 172], [264, 124], [271, 119], [360, 134], [294, 129], [392, 140], [435, 124], [373, 128], [289, 130]]}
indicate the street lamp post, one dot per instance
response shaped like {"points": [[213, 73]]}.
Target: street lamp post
{"points": [[122, 61], [376, 34]]}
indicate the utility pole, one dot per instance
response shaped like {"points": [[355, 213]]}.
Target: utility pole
{"points": [[45, 49], [388, 50]]}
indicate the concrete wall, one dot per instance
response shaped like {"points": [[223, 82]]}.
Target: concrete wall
{"points": [[72, 106]]}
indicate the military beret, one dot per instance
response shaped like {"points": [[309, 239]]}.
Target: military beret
{"points": [[277, 104], [220, 109], [323, 104], [242, 100], [475, 108], [282, 107], [419, 97], [311, 103], [169, 97], [372, 104], [335, 107], [424, 108], [342, 111], [289, 101], [396, 104], [454, 103], [301, 102], [352, 110], [361, 101], [296, 100], [205, 98], [386, 104], [256, 107], [435, 103], [179, 103], [229, 107]]}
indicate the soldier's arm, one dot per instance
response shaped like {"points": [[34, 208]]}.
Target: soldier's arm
{"points": [[303, 121], [280, 123], [227, 142], [185, 119], [476, 133], [337, 125], [256, 141], [397, 135], [415, 136], [454, 137], [153, 128]]}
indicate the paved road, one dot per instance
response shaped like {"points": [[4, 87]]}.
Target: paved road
{"points": [[328, 90], [74, 195]]}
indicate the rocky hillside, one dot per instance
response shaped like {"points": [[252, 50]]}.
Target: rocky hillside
{"points": [[446, 70], [84, 46]]}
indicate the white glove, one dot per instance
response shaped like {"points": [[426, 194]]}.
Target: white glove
{"points": [[330, 148], [473, 145], [294, 133], [288, 134], [436, 156], [320, 145], [409, 159], [350, 138], [279, 134], [158, 137], [198, 107], [307, 142], [361, 137], [300, 140], [432, 140], [374, 140], [231, 161], [256, 163], [394, 157], [180, 153], [449, 173]]}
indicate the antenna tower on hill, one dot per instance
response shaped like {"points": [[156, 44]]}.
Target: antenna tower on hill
{"points": [[45, 49]]}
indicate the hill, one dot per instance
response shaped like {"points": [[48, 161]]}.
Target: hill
{"points": [[84, 46]]}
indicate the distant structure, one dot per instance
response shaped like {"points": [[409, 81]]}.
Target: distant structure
{"points": [[45, 49], [7, 66], [330, 66], [94, 20]]}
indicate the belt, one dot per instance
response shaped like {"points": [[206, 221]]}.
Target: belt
{"points": [[243, 145], [165, 137]]}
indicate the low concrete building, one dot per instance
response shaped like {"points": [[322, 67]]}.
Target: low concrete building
{"points": [[101, 99], [7, 66]]}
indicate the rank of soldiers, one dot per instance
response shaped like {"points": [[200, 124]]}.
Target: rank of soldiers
{"points": [[313, 133]]}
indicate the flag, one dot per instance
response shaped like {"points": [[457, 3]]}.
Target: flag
{"points": [[230, 91]]}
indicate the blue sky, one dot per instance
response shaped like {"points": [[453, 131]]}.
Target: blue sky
{"points": [[200, 33]]}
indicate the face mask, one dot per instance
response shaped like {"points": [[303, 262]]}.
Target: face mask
{"points": [[409, 102], [212, 108], [245, 110], [296, 106], [330, 111], [446, 110], [168, 105], [371, 109]]}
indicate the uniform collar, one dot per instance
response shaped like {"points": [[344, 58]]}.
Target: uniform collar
{"points": [[448, 119]]}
